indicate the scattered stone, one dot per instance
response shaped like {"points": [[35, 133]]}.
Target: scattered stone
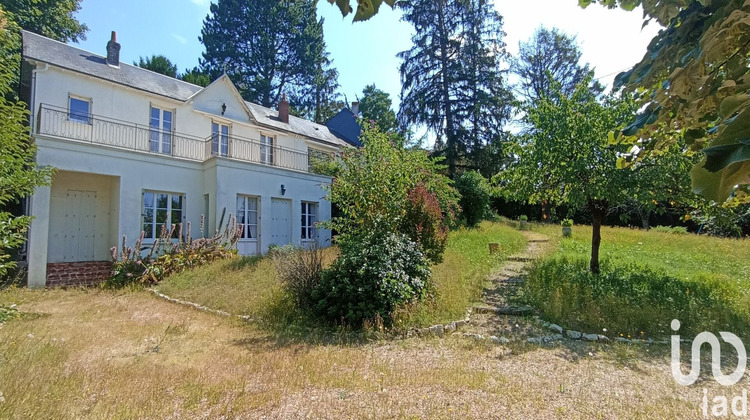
{"points": [[2, 398], [499, 340], [590, 337], [460, 324], [556, 337], [535, 340], [575, 335], [556, 328], [603, 338], [478, 337], [30, 335], [437, 330], [450, 327], [622, 340]]}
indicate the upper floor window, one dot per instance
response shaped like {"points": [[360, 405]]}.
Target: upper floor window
{"points": [[266, 149], [79, 110], [161, 124], [309, 217], [161, 210], [247, 215], [219, 139]]}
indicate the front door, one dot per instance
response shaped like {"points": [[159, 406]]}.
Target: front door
{"points": [[79, 226], [281, 221]]}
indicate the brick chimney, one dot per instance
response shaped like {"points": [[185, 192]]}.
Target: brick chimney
{"points": [[113, 51], [284, 109], [355, 108]]}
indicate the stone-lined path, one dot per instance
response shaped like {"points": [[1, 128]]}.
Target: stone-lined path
{"points": [[502, 314]]}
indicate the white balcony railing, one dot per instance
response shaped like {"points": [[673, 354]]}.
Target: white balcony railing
{"points": [[56, 121]]}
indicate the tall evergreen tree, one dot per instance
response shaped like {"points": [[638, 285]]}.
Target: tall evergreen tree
{"points": [[267, 47], [451, 78], [376, 105], [159, 64], [550, 55], [319, 100], [196, 76]]}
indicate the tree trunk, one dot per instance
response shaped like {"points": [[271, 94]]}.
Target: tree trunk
{"points": [[645, 220], [598, 209]]}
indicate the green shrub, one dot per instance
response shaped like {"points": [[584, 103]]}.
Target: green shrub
{"points": [[424, 223], [374, 274], [523, 218], [475, 196], [632, 300], [678, 230], [567, 223], [169, 256]]}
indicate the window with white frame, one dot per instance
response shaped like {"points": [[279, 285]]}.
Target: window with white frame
{"points": [[219, 139], [161, 124], [266, 149], [309, 217], [161, 210], [79, 109], [247, 215]]}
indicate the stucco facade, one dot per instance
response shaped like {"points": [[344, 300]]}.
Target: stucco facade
{"points": [[199, 151]]}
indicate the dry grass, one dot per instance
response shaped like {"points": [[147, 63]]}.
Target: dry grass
{"points": [[104, 354]]}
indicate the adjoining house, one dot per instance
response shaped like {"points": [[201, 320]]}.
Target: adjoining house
{"points": [[344, 125], [136, 150]]}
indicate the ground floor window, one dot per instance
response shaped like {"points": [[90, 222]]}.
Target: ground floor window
{"points": [[309, 217], [161, 209], [247, 215]]}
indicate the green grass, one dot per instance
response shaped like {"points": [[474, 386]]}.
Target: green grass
{"points": [[251, 286], [648, 278], [684, 256]]}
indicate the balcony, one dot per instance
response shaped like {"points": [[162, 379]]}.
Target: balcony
{"points": [[93, 129]]}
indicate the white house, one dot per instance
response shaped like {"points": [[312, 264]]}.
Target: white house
{"points": [[135, 149]]}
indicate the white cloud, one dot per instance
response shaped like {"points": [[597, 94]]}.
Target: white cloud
{"points": [[179, 38]]}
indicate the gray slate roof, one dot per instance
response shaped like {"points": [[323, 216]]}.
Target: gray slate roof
{"points": [[270, 118], [46, 50]]}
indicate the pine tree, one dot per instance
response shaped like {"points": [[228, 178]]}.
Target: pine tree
{"points": [[267, 47], [451, 78]]}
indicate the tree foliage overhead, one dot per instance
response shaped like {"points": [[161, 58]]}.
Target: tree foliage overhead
{"points": [[196, 76], [452, 81], [159, 64], [51, 18], [267, 47], [549, 55], [694, 83], [365, 8]]}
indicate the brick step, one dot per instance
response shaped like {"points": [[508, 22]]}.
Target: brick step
{"points": [[82, 273]]}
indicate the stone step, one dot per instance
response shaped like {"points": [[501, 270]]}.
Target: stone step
{"points": [[520, 258], [504, 310], [537, 241]]}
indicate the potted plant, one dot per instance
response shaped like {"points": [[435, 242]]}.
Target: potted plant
{"points": [[567, 228], [524, 221]]}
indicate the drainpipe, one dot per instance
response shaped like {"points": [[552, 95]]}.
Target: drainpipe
{"points": [[32, 105]]}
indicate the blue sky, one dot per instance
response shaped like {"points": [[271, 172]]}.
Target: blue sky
{"points": [[365, 52]]}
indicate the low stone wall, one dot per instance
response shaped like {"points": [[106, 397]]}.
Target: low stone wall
{"points": [[86, 273]]}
